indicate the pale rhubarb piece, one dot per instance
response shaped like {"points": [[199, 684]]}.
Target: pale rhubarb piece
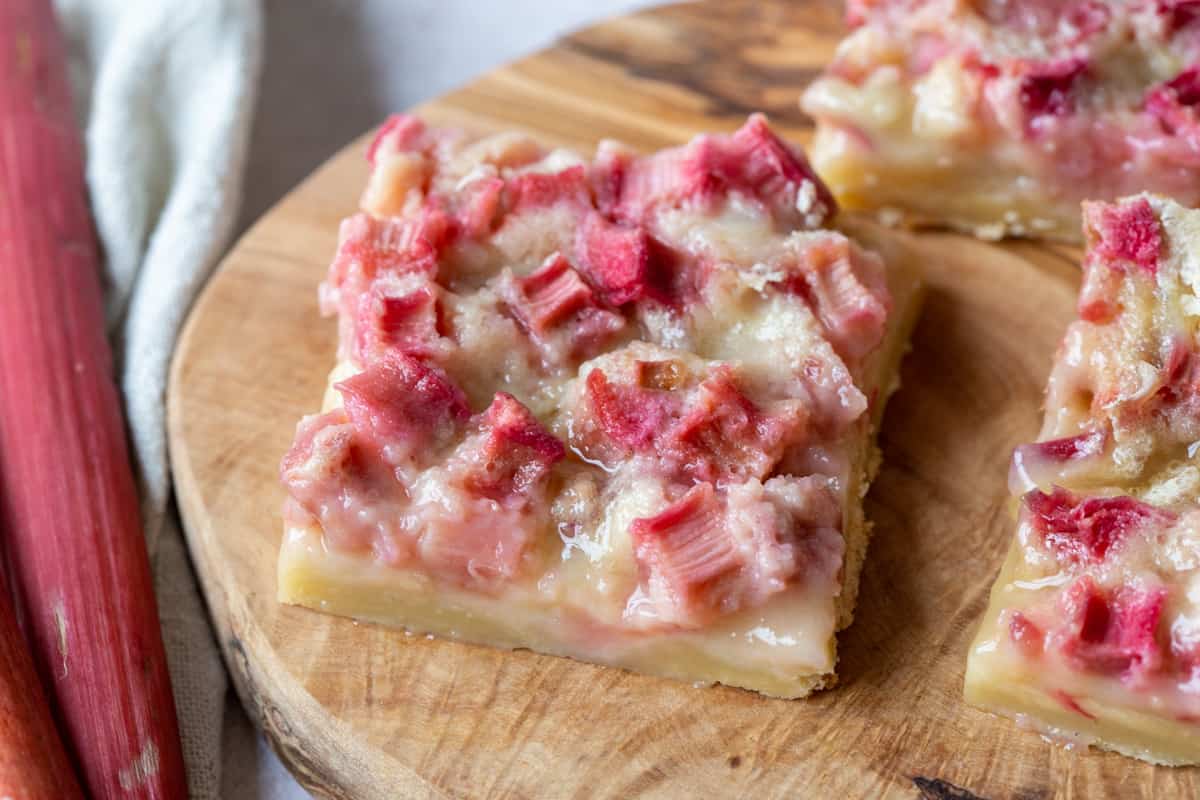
{"points": [[1093, 630], [617, 409], [69, 515], [998, 117], [33, 763]]}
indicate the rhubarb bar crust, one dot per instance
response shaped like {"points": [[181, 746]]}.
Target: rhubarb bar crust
{"points": [[999, 116], [618, 409], [1092, 634]]}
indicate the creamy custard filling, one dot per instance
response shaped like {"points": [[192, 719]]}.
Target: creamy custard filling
{"points": [[618, 410]]}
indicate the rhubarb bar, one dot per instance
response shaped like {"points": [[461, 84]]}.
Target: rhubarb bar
{"points": [[1093, 631], [617, 408], [999, 116]]}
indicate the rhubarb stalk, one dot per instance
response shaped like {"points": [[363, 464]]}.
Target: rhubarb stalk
{"points": [[69, 511], [33, 764]]}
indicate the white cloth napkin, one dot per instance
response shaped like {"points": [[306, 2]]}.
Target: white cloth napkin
{"points": [[166, 90]]}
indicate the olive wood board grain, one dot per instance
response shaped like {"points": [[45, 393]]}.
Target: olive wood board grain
{"points": [[360, 711]]}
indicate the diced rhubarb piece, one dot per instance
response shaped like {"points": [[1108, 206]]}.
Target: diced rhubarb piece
{"points": [[1124, 233], [550, 294], [403, 407], [398, 133], [335, 481], [480, 546], [830, 394], [1111, 633], [561, 312], [369, 247], [847, 290], [1048, 88], [392, 317], [724, 435], [479, 208], [615, 258], [1176, 106], [631, 416], [686, 554], [1082, 530], [480, 527], [1042, 464], [531, 190], [514, 455], [1179, 13], [713, 552], [753, 162], [760, 164]]}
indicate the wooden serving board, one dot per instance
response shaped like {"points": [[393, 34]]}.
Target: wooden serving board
{"points": [[358, 711]]}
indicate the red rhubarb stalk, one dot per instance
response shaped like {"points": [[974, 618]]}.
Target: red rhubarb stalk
{"points": [[33, 763], [68, 502]]}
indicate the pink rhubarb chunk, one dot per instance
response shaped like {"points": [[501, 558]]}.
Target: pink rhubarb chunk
{"points": [[1048, 88], [616, 259], [723, 435], [514, 455], [847, 290], [1112, 632], [533, 190], [631, 416], [686, 554], [753, 162], [1043, 463], [403, 407], [405, 320], [1082, 530], [1124, 233]]}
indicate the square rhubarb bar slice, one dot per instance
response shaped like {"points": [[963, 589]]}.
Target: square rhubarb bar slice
{"points": [[617, 408], [999, 116], [1093, 631]]}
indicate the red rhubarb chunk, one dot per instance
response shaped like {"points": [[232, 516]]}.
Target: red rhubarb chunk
{"points": [[531, 190], [631, 416], [515, 452], [551, 294], [723, 434], [752, 162], [370, 246], [1083, 530], [403, 406], [1174, 105], [1112, 633], [406, 321], [478, 208], [1048, 88], [329, 475], [615, 258], [761, 164], [1179, 13], [848, 293], [399, 133], [1125, 233], [1044, 463], [686, 554]]}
